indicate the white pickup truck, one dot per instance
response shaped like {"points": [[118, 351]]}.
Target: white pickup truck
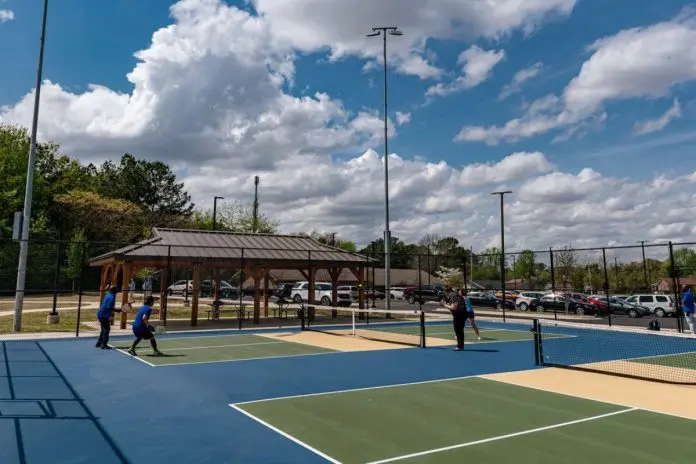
{"points": [[322, 294]]}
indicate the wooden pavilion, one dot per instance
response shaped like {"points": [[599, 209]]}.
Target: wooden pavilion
{"points": [[254, 254]]}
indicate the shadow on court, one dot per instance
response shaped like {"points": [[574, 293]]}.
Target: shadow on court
{"points": [[42, 418]]}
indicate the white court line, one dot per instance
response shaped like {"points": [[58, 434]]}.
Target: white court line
{"points": [[250, 359], [289, 437], [131, 356], [220, 346], [583, 397], [502, 437], [351, 390]]}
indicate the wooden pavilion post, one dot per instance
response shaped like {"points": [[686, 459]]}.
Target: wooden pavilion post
{"points": [[311, 292], [102, 285], [196, 293], [335, 273], [164, 283], [359, 274], [115, 269], [125, 292], [256, 274], [266, 292], [216, 284]]}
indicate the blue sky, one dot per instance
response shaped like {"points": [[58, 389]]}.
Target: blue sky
{"points": [[95, 42]]}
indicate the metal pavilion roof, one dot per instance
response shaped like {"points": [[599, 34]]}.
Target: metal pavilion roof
{"points": [[219, 246]]}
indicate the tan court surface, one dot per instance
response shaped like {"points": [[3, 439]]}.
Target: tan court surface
{"points": [[676, 400]]}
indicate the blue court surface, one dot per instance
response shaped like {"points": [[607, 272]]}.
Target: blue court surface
{"points": [[256, 397]]}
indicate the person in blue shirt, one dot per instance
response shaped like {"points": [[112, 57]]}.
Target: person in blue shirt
{"points": [[469, 312], [104, 316], [142, 328], [688, 307]]}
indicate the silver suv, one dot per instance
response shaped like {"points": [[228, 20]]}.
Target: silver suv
{"points": [[659, 305]]}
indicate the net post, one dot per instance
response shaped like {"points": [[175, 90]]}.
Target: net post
{"points": [[537, 342], [422, 329], [553, 281], [352, 313], [303, 323], [606, 287]]}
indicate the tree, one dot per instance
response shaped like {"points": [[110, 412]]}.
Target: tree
{"points": [[565, 262], [102, 219], [14, 147], [233, 217], [149, 184], [76, 258], [525, 265]]}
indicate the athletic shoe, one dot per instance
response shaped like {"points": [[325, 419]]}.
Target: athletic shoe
{"points": [[98, 345], [132, 352], [479, 338], [458, 349], [106, 347], [158, 353]]}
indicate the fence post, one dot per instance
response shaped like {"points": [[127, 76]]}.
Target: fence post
{"points": [[420, 283], [606, 287], [241, 312], [56, 273], [675, 289], [553, 282], [464, 273], [79, 288]]}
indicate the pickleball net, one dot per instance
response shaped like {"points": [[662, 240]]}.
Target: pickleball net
{"points": [[401, 327], [662, 356]]}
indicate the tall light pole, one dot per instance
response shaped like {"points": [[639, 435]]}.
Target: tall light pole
{"points": [[215, 199], [255, 217], [28, 194], [384, 32], [502, 245], [645, 264]]}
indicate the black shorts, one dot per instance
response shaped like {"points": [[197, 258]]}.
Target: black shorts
{"points": [[470, 315], [143, 332]]}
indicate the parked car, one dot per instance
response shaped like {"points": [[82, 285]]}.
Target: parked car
{"points": [[396, 293], [179, 287], [425, 293], [322, 294], [226, 289], [487, 300], [283, 291], [558, 302], [659, 305], [524, 300], [618, 306]]}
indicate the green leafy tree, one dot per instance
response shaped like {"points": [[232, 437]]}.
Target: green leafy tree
{"points": [[525, 265], [102, 219], [149, 184], [233, 217], [76, 256]]}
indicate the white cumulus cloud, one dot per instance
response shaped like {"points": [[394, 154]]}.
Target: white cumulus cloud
{"points": [[656, 125]]}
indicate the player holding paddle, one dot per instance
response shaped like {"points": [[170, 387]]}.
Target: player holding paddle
{"points": [[461, 309], [143, 329]]}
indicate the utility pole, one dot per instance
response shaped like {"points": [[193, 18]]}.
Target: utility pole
{"points": [[645, 264], [28, 193], [384, 32], [255, 223], [502, 244], [215, 199]]}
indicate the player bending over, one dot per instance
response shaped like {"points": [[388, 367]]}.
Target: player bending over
{"points": [[143, 329]]}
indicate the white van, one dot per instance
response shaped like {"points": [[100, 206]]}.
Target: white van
{"points": [[659, 305]]}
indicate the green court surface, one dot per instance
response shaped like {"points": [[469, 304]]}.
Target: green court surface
{"points": [[473, 420], [682, 360], [205, 349]]}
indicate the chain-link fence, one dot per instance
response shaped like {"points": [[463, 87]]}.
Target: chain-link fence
{"points": [[628, 285]]}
